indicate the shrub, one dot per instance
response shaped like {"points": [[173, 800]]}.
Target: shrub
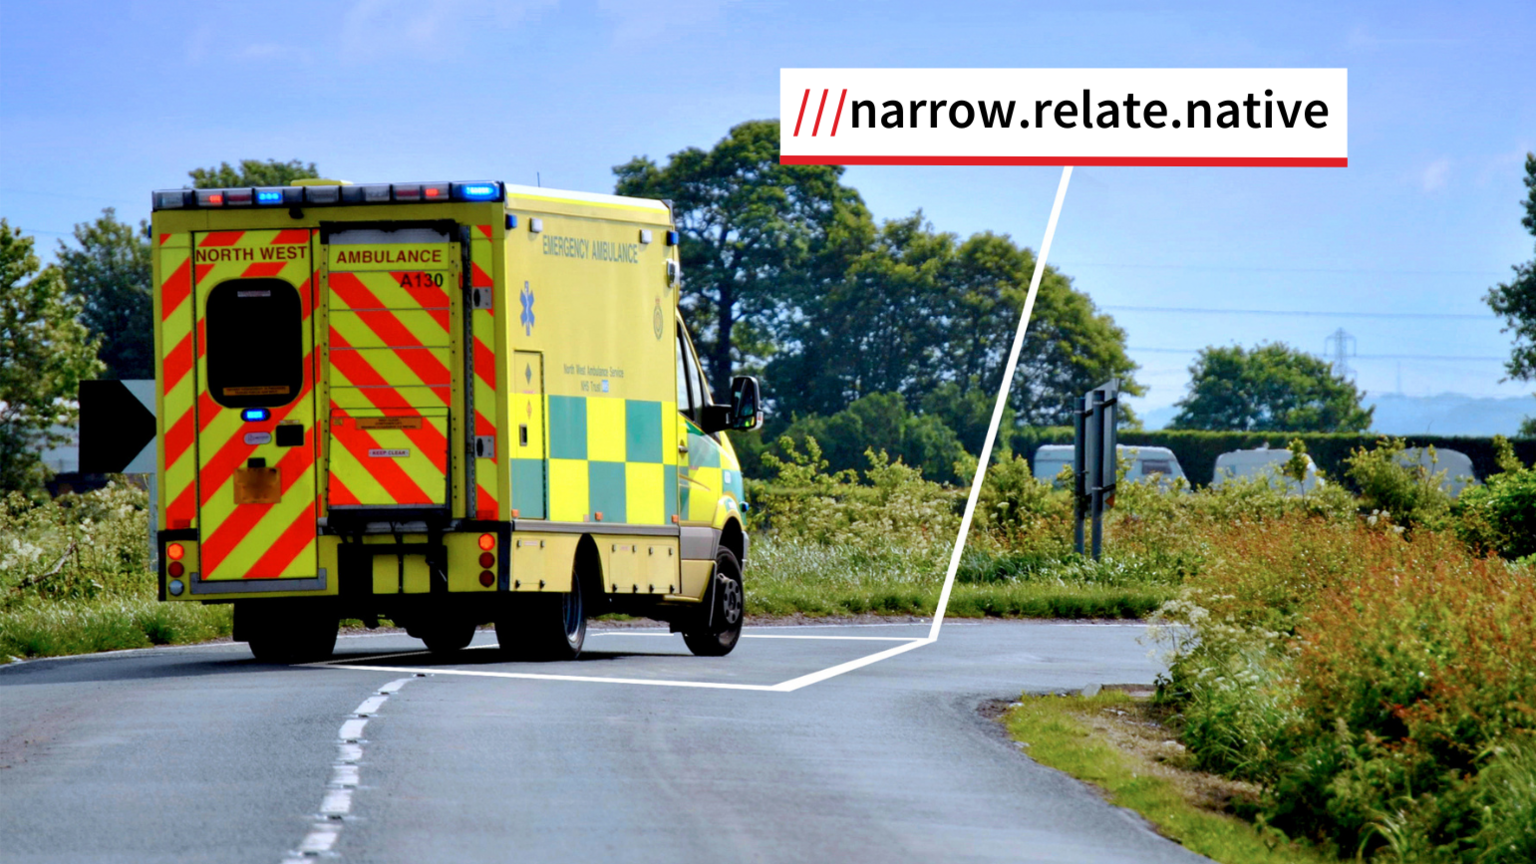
{"points": [[1372, 681], [1412, 494], [895, 507], [1500, 515]]}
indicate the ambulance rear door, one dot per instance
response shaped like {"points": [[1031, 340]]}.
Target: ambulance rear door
{"points": [[391, 292], [253, 295]]}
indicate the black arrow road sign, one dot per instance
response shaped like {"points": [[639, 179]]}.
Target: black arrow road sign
{"points": [[117, 427]]}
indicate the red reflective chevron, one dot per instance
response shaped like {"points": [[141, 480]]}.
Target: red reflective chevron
{"points": [[264, 270], [221, 238], [178, 437], [175, 289], [485, 364], [288, 546], [178, 362]]}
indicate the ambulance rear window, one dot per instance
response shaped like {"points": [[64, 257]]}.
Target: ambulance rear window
{"points": [[255, 343]]}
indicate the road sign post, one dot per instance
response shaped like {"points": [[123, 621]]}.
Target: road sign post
{"points": [[1095, 464]]}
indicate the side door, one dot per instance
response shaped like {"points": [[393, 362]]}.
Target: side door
{"points": [[699, 477], [253, 295]]}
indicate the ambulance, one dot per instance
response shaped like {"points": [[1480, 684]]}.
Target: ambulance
{"points": [[443, 404]]}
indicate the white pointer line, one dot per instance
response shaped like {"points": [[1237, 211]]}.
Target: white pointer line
{"points": [[782, 687], [997, 409]]}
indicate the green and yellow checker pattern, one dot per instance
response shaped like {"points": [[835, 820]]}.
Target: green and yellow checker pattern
{"points": [[613, 457]]}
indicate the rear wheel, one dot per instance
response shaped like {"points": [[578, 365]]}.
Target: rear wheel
{"points": [[719, 633], [447, 635], [288, 633], [546, 626]]}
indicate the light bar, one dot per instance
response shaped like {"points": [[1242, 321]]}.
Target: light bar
{"points": [[311, 196]]}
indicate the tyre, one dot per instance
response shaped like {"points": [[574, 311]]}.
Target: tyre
{"points": [[546, 626], [720, 631], [448, 634], [284, 633]]}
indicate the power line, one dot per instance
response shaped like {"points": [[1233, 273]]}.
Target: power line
{"points": [[1225, 269], [1196, 310], [1450, 357]]}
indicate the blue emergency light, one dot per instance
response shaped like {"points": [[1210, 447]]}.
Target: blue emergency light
{"points": [[269, 196], [477, 191], [255, 415]]}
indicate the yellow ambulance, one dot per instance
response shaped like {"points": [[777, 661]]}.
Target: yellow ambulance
{"points": [[444, 404]]}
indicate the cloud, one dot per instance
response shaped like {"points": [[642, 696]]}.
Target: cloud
{"points": [[386, 28], [1435, 175], [637, 23]]}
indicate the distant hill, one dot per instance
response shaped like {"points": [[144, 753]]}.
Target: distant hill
{"points": [[1443, 414], [1450, 414]]}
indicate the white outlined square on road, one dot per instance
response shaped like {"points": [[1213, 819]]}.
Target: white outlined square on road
{"points": [[901, 645]]}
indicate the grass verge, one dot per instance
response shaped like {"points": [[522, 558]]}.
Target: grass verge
{"points": [[1113, 741], [966, 601], [82, 627]]}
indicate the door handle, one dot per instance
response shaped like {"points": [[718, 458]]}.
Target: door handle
{"points": [[682, 448]]}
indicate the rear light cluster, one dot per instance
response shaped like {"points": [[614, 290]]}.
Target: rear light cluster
{"points": [[487, 559], [311, 196], [175, 569]]}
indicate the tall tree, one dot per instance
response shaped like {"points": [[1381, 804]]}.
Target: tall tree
{"points": [[252, 172], [1273, 388], [877, 329], [44, 354], [1515, 300], [110, 274], [755, 233], [932, 318]]}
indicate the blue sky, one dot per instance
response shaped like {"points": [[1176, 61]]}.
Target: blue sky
{"points": [[101, 102]]}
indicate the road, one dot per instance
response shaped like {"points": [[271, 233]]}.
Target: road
{"points": [[201, 754]]}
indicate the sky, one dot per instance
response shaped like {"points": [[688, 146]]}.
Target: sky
{"points": [[102, 102]]}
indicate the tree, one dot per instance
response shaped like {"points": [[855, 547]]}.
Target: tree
{"points": [[881, 421], [1069, 349], [877, 329], [44, 354], [1515, 300], [252, 172], [110, 275], [921, 312], [1273, 388], [755, 234]]}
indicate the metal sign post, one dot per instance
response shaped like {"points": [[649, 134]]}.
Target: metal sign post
{"points": [[1095, 465]]}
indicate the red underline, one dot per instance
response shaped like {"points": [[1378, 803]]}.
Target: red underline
{"points": [[1152, 161]]}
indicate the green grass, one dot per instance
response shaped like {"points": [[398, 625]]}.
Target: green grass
{"points": [[81, 626], [1059, 737], [798, 577]]}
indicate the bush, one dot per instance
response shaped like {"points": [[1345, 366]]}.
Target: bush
{"points": [[1412, 494], [1500, 515], [1367, 678], [894, 508]]}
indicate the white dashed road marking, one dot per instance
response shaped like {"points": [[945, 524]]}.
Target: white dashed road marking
{"points": [[337, 803]]}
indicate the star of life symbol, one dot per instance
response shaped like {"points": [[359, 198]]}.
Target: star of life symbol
{"points": [[526, 319]]}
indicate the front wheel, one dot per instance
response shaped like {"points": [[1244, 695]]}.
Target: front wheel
{"points": [[719, 633]]}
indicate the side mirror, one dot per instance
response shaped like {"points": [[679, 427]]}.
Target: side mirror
{"points": [[746, 403], [744, 412]]}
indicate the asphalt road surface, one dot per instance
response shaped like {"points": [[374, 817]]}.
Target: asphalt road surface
{"points": [[202, 754]]}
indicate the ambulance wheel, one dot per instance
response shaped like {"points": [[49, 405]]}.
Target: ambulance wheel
{"points": [[447, 635], [289, 634], [546, 626], [719, 634]]}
